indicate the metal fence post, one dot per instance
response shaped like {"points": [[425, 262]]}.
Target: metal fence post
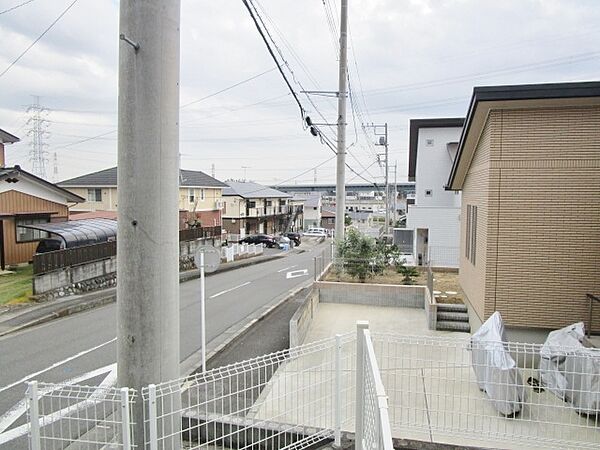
{"points": [[125, 425], [152, 415], [338, 392], [361, 326], [315, 266], [34, 416]]}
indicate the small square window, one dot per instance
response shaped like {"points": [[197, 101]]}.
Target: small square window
{"points": [[94, 195], [429, 142], [428, 192]]}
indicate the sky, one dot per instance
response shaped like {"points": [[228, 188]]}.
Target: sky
{"points": [[407, 59]]}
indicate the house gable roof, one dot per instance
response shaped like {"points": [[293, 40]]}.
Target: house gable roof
{"points": [[249, 189], [487, 98], [14, 173], [413, 140], [7, 138], [108, 178]]}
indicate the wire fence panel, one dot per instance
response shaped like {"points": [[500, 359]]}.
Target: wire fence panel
{"points": [[282, 400], [376, 431], [92, 417], [437, 394]]}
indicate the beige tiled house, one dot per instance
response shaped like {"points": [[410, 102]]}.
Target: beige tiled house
{"points": [[528, 166], [200, 195]]}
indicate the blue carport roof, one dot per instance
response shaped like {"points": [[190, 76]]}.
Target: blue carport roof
{"points": [[80, 232]]}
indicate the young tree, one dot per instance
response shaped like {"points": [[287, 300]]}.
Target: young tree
{"points": [[358, 253]]}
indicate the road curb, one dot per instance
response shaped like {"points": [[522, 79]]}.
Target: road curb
{"points": [[110, 297], [193, 363]]}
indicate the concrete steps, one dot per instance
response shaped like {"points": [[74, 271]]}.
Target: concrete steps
{"points": [[452, 317]]}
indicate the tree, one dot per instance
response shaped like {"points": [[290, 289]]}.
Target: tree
{"points": [[347, 220], [358, 253]]}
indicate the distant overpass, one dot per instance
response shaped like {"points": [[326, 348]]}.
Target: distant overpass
{"points": [[404, 188]]}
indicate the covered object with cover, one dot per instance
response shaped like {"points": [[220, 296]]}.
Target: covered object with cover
{"points": [[570, 370], [496, 371]]}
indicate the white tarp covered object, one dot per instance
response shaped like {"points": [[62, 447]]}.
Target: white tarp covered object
{"points": [[496, 371], [570, 370]]}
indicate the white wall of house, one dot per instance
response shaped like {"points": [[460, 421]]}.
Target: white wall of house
{"points": [[434, 162], [435, 216], [312, 212], [443, 234]]}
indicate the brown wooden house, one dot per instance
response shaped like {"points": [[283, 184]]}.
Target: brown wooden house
{"points": [[24, 200]]}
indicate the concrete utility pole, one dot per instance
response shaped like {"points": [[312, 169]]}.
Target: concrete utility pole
{"points": [[383, 140], [340, 185], [387, 183], [395, 191], [148, 182]]}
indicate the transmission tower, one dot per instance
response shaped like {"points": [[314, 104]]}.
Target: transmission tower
{"points": [[38, 133], [55, 169]]}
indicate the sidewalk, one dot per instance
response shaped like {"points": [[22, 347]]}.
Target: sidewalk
{"points": [[13, 321]]}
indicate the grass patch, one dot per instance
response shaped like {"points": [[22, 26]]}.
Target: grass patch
{"points": [[16, 287]]}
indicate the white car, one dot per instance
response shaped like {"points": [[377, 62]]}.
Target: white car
{"points": [[317, 232]]}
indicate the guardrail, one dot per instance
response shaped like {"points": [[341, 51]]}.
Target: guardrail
{"points": [[47, 262]]}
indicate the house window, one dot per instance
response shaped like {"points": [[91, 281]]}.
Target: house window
{"points": [[29, 234], [428, 192], [471, 234], [269, 203], [251, 204], [201, 194], [94, 195], [191, 195]]}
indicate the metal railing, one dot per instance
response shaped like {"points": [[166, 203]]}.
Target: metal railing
{"points": [[435, 394], [421, 388], [48, 262], [372, 420], [443, 256], [323, 261], [592, 299], [277, 401], [94, 417]]}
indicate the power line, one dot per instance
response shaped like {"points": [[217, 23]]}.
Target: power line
{"points": [[15, 7], [39, 37], [262, 34], [228, 88]]}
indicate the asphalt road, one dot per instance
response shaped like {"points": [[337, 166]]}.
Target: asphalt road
{"points": [[75, 346]]}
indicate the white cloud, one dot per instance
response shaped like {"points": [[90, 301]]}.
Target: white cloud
{"points": [[431, 52]]}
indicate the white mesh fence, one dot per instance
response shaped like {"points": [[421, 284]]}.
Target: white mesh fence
{"points": [[376, 432], [282, 400], [437, 393], [93, 417]]}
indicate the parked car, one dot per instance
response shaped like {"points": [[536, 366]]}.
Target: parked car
{"points": [[316, 232], [294, 237], [266, 239]]}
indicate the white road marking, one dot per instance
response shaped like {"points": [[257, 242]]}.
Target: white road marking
{"points": [[287, 268], [297, 273], [9, 417], [229, 290], [55, 365], [98, 394]]}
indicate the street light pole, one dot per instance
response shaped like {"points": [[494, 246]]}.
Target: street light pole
{"points": [[340, 185]]}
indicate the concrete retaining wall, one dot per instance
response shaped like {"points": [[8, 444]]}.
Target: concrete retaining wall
{"points": [[101, 274], [302, 318], [372, 294]]}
